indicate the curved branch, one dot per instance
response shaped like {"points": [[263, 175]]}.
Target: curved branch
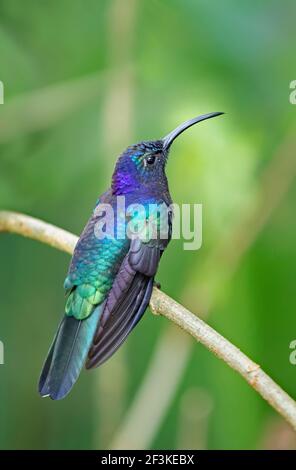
{"points": [[36, 229], [161, 304]]}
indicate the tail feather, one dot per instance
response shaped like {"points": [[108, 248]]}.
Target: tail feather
{"points": [[67, 355]]}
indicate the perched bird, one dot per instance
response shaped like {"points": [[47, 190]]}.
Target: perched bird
{"points": [[110, 279]]}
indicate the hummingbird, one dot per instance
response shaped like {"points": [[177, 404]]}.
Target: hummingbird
{"points": [[110, 278]]}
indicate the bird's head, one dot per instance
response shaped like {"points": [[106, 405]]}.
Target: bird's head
{"points": [[143, 164]]}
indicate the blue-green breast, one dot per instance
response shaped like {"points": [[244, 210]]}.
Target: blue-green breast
{"points": [[95, 264]]}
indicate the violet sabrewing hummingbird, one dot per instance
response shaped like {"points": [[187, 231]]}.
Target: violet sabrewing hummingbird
{"points": [[110, 278]]}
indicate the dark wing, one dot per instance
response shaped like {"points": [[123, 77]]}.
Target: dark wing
{"points": [[127, 300], [129, 296]]}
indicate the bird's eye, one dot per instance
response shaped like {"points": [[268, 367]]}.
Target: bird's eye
{"points": [[150, 160]]}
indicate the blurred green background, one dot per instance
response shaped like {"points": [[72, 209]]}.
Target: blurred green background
{"points": [[83, 79]]}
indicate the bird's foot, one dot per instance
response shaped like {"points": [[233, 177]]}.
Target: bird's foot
{"points": [[157, 284]]}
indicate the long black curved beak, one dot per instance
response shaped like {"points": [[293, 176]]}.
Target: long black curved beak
{"points": [[169, 139]]}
